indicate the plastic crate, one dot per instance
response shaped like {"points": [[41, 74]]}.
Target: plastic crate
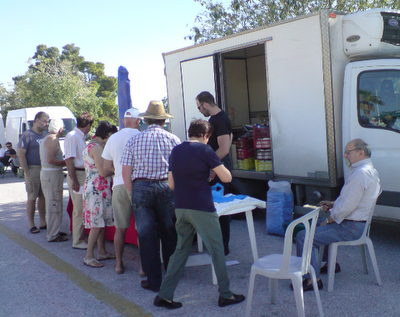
{"points": [[262, 143], [244, 153], [246, 164], [260, 131], [264, 155], [262, 165], [244, 142]]}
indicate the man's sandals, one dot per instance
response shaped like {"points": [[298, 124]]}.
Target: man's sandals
{"points": [[34, 229], [92, 263], [59, 238]]}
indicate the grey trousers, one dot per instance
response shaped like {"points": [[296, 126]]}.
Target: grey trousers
{"points": [[189, 221], [77, 217], [52, 186]]}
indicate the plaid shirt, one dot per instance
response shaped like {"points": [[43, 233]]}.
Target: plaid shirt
{"points": [[149, 152]]}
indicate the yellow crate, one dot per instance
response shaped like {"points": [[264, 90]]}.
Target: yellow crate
{"points": [[263, 165], [246, 164]]}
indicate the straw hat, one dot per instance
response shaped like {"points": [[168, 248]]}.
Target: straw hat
{"points": [[156, 110]]}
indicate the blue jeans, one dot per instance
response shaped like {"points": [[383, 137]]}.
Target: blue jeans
{"points": [[154, 210], [324, 235]]}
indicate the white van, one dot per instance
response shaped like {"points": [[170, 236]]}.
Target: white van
{"points": [[20, 120], [2, 132]]}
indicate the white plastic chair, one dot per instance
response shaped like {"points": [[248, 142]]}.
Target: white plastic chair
{"points": [[287, 266], [364, 240]]}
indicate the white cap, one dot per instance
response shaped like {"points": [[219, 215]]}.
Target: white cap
{"points": [[132, 113]]}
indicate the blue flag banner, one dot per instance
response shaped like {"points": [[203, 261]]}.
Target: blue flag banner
{"points": [[124, 94]]}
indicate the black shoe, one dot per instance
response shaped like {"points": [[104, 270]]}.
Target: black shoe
{"points": [[324, 269], [59, 239], [160, 302], [222, 302], [155, 289], [226, 251], [309, 287]]}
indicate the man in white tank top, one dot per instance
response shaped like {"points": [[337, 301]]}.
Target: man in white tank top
{"points": [[52, 179]]}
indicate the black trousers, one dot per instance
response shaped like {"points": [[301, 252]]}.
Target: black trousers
{"points": [[224, 221]]}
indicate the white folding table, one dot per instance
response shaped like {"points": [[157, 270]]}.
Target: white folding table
{"points": [[236, 206]]}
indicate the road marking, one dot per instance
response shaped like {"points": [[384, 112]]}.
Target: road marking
{"points": [[89, 285]]}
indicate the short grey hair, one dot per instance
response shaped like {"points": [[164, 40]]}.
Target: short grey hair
{"points": [[361, 145], [55, 125], [150, 121]]}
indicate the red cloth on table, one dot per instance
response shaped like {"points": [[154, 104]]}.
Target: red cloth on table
{"points": [[131, 233]]}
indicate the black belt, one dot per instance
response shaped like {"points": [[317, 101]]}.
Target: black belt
{"points": [[150, 180], [355, 220], [79, 169]]}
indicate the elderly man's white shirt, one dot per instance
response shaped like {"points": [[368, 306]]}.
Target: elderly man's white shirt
{"points": [[113, 151], [74, 145], [359, 192]]}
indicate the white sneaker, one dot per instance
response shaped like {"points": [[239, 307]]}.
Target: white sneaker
{"points": [[81, 245]]}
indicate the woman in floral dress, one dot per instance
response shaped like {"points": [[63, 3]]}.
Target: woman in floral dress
{"points": [[97, 208]]}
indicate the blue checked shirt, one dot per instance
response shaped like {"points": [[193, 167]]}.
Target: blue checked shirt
{"points": [[149, 152]]}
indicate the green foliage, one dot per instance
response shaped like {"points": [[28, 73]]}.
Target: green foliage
{"points": [[64, 79], [54, 83], [218, 21]]}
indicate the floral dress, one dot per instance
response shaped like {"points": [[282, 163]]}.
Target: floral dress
{"points": [[97, 208]]}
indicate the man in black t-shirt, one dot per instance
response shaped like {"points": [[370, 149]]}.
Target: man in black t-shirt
{"points": [[220, 141], [9, 154]]}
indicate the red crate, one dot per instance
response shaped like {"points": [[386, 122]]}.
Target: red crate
{"points": [[262, 143], [244, 153], [264, 155], [244, 142], [260, 131]]}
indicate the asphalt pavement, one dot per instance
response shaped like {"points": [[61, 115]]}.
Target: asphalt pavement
{"points": [[39, 278]]}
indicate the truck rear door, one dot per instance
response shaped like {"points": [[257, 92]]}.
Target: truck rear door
{"points": [[197, 76]]}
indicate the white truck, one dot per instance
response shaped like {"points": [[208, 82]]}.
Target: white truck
{"points": [[20, 120], [318, 81]]}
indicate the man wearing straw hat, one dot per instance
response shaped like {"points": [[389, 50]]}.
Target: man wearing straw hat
{"points": [[145, 174]]}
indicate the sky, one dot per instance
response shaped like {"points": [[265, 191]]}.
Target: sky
{"points": [[128, 33]]}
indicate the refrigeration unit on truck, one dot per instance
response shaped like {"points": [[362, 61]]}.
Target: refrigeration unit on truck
{"points": [[305, 87]]}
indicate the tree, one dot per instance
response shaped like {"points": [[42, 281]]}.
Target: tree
{"points": [[64, 79], [217, 20], [54, 83]]}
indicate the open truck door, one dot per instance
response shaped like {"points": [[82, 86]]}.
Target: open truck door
{"points": [[197, 76]]}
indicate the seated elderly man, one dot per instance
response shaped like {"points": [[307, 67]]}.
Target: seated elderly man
{"points": [[349, 212]]}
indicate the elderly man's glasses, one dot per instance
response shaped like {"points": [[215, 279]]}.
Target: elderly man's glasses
{"points": [[349, 151]]}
